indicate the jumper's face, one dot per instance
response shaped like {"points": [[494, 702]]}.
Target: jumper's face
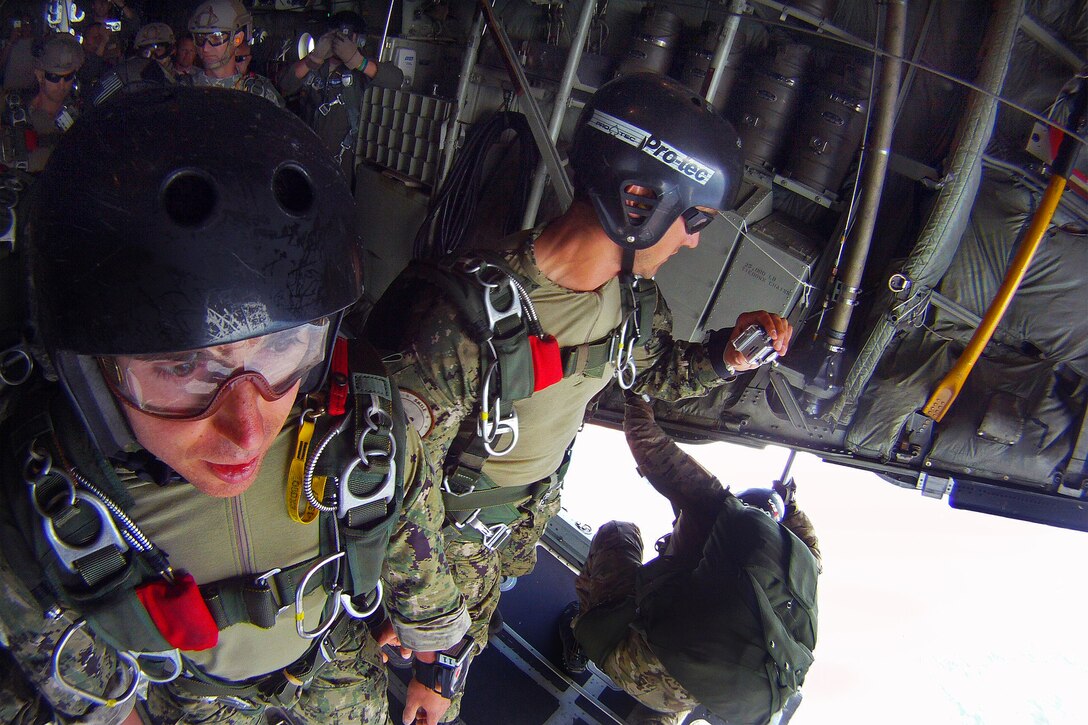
{"points": [[212, 414], [222, 454], [217, 49]]}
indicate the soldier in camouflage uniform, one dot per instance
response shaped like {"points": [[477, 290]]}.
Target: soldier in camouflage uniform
{"points": [[31, 124], [219, 28], [331, 81], [576, 270], [190, 329], [613, 565]]}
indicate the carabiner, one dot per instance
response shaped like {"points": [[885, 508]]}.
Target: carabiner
{"points": [[125, 657], [625, 354], [300, 613]]}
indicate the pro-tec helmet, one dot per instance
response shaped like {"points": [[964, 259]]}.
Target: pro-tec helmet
{"points": [[648, 130], [226, 16], [233, 226]]}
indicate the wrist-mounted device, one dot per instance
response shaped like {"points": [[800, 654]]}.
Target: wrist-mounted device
{"points": [[755, 345], [446, 675]]}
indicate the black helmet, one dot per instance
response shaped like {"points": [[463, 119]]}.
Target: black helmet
{"points": [[765, 499], [151, 236], [347, 20], [649, 130]]}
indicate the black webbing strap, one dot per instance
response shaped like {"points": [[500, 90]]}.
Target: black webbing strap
{"points": [[256, 599]]}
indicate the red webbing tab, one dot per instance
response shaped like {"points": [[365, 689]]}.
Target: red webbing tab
{"points": [[338, 378], [547, 365], [31, 137], [180, 613]]}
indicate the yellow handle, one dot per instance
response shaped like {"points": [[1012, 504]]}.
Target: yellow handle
{"points": [[949, 387]]}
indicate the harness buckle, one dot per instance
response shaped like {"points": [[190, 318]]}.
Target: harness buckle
{"points": [[108, 535], [349, 607], [171, 658], [263, 581], [326, 107], [494, 536]]}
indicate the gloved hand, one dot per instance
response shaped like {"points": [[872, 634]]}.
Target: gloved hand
{"points": [[323, 47], [788, 492], [347, 51]]}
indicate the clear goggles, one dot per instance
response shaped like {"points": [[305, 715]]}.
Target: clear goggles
{"points": [[191, 385]]}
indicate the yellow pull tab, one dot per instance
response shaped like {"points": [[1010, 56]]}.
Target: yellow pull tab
{"points": [[297, 472]]}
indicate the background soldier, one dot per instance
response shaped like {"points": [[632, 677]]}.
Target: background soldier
{"points": [[695, 637], [35, 122], [151, 65], [219, 28], [188, 289], [332, 79], [632, 211]]}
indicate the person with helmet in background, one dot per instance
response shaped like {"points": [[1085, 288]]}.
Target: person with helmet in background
{"points": [[331, 80], [243, 57], [33, 123], [219, 28], [151, 65], [209, 493], [654, 164], [185, 56], [730, 598]]}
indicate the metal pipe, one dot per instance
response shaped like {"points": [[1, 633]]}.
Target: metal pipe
{"points": [[937, 242], [876, 167], [559, 111], [385, 30], [556, 172], [467, 64], [725, 44]]}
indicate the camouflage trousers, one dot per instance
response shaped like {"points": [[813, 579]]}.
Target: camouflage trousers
{"points": [[615, 556], [352, 688], [478, 571]]}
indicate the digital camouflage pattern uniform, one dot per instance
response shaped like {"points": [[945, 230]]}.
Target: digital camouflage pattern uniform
{"points": [[615, 559], [436, 366], [256, 84], [249, 534]]}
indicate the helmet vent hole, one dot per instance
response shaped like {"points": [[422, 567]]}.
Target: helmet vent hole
{"points": [[189, 198], [293, 190], [639, 202]]}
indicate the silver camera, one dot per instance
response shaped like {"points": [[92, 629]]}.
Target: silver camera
{"points": [[755, 345]]}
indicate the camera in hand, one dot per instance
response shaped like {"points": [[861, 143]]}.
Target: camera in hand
{"points": [[755, 345]]}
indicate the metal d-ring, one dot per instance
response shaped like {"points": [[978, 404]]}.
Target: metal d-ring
{"points": [[125, 657], [300, 613], [345, 601]]}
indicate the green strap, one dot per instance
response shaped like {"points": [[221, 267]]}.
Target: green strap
{"points": [[254, 600], [485, 499]]}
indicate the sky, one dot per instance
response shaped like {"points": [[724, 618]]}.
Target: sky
{"points": [[927, 614]]}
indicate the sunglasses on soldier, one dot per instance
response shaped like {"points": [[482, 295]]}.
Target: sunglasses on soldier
{"points": [[696, 220], [192, 384], [60, 77], [215, 39]]}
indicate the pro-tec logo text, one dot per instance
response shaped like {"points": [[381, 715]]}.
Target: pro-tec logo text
{"points": [[648, 143]]}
